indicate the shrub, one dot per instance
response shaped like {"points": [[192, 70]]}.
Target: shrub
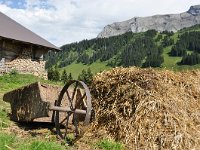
{"points": [[14, 72]]}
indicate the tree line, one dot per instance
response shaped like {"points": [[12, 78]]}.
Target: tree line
{"points": [[129, 49], [53, 74], [143, 52], [188, 41], [123, 50]]}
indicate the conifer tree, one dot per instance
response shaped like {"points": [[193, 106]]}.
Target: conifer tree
{"points": [[56, 75], [50, 74], [86, 76], [53, 74], [70, 76], [64, 77]]}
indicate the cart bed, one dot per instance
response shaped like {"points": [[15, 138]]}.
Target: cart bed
{"points": [[32, 102]]}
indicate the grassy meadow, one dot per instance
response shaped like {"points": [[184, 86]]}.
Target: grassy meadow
{"points": [[76, 68]]}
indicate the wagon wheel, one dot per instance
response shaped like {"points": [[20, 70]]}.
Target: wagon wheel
{"points": [[76, 96]]}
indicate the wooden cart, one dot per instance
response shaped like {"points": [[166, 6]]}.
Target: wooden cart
{"points": [[67, 106]]}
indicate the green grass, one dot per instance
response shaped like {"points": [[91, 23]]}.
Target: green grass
{"points": [[106, 144], [11, 141], [9, 81], [185, 67], [41, 145], [189, 29], [175, 37], [6, 141], [4, 120], [76, 69], [189, 52], [169, 61], [89, 52]]}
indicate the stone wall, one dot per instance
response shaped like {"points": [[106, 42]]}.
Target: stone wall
{"points": [[2, 66], [24, 64]]}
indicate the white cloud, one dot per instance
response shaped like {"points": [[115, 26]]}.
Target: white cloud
{"points": [[66, 21]]}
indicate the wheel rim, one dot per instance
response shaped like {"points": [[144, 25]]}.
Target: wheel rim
{"points": [[75, 94]]}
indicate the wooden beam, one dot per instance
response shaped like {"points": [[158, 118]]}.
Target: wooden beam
{"points": [[13, 41], [1, 44], [4, 44], [32, 47]]}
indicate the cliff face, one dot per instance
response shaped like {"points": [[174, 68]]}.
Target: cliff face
{"points": [[169, 22]]}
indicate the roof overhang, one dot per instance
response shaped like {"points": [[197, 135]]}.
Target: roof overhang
{"points": [[10, 29], [24, 42]]}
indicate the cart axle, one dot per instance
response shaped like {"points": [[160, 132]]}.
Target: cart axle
{"points": [[67, 109]]}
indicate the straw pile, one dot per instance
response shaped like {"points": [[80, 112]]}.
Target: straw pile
{"points": [[149, 109]]}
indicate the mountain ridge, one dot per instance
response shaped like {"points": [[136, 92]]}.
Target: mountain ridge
{"points": [[168, 22]]}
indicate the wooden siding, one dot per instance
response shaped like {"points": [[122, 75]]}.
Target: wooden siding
{"points": [[10, 50]]}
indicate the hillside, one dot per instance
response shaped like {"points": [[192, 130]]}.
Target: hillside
{"points": [[168, 22], [176, 51]]}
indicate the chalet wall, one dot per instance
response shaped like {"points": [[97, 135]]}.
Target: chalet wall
{"points": [[11, 50], [20, 58], [39, 53], [24, 64]]}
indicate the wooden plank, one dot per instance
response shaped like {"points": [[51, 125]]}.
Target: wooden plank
{"points": [[10, 54], [26, 103]]}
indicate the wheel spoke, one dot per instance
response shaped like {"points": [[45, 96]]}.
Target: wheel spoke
{"points": [[74, 90], [82, 98], [67, 117], [68, 96], [65, 133], [71, 105], [66, 126], [76, 125], [63, 120]]}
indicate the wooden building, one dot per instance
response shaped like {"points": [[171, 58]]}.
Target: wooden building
{"points": [[21, 49]]}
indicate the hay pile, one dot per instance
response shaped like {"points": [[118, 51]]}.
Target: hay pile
{"points": [[149, 109]]}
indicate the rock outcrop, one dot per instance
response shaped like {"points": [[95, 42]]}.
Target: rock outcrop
{"points": [[169, 22]]}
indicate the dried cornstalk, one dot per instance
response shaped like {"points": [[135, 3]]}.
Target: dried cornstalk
{"points": [[149, 109]]}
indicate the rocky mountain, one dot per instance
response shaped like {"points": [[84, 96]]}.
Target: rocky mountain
{"points": [[169, 22]]}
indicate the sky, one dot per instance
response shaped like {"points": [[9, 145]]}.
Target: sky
{"points": [[66, 21]]}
